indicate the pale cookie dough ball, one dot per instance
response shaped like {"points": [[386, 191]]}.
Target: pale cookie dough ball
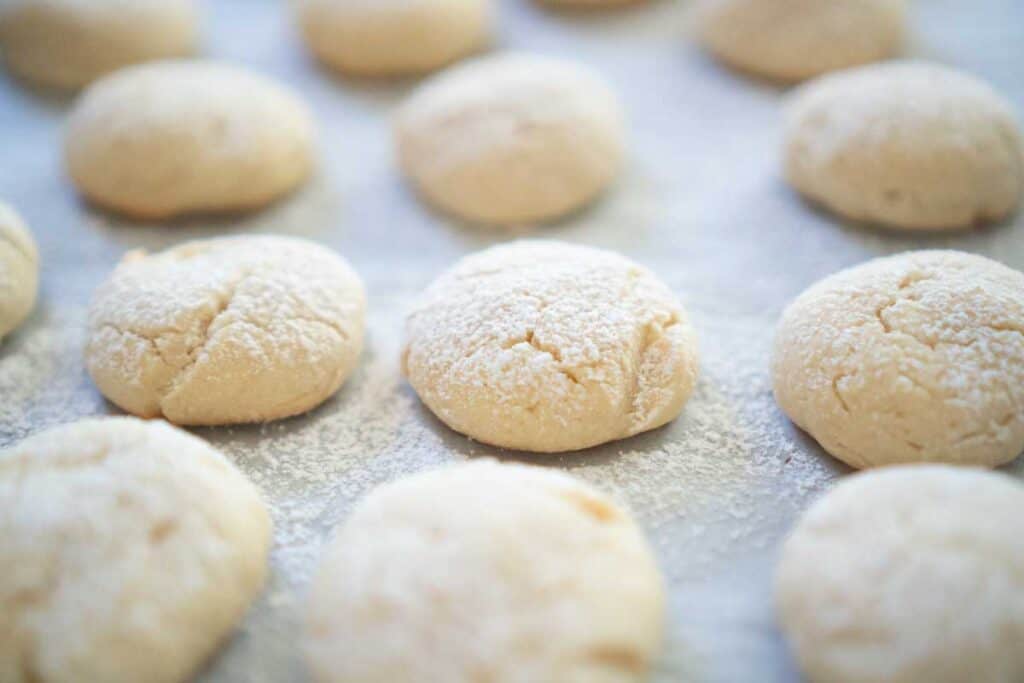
{"points": [[129, 551], [244, 329], [393, 37], [548, 347], [175, 137], [590, 3], [908, 575], [19, 270], [791, 40], [70, 43], [486, 572], [511, 139], [910, 358], [906, 144]]}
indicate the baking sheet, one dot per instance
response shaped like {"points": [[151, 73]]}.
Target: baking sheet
{"points": [[701, 203]]}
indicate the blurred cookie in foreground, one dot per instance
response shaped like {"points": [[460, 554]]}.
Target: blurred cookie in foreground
{"points": [[485, 572], [909, 574], [130, 550]]}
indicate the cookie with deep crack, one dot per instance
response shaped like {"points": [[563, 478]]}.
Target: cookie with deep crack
{"points": [[234, 330], [129, 551], [486, 572], [545, 346], [911, 358]]}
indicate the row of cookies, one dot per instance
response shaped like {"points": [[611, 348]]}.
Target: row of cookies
{"points": [[549, 347], [521, 139], [68, 44], [132, 550], [517, 139]]}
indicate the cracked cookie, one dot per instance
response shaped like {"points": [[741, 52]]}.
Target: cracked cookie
{"points": [[19, 270], [917, 357], [486, 572], [511, 139], [907, 145], [129, 550], [167, 138], [223, 331], [545, 346]]}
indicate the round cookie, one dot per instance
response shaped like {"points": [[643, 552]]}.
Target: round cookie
{"points": [[908, 575], [790, 40], [19, 270], [486, 572], [911, 358], [393, 37], [905, 144], [545, 346], [128, 551], [167, 138], [234, 330], [590, 3], [511, 139], [70, 43]]}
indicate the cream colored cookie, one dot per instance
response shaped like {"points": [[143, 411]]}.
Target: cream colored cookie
{"points": [[791, 40], [547, 347], [910, 358], [168, 138], [19, 270], [590, 3], [243, 329], [393, 37], [70, 43], [129, 550], [905, 144], [511, 139], [908, 575], [486, 572]]}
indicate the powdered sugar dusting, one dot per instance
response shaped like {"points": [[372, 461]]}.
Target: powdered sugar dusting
{"points": [[917, 357], [722, 481], [549, 347], [174, 332]]}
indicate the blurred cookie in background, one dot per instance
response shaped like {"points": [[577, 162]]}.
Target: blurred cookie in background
{"points": [[70, 43], [511, 139], [905, 144], [158, 140], [393, 37], [790, 40]]}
